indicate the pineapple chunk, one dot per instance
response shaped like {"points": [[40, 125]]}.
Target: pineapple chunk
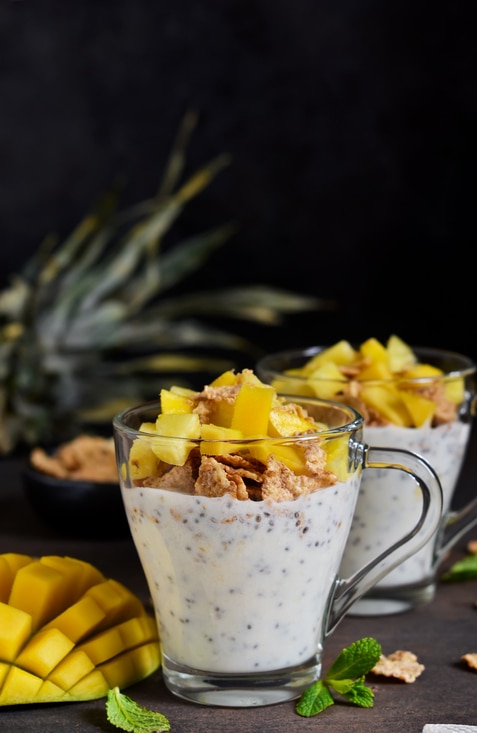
{"points": [[174, 401], [420, 408], [218, 435], [48, 663], [341, 353], [227, 379], [142, 459], [374, 350], [173, 425], [252, 409], [400, 355], [326, 381]]}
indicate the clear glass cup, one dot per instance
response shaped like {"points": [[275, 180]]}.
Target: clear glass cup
{"points": [[377, 521], [246, 592]]}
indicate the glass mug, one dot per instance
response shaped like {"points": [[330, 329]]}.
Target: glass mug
{"points": [[246, 592], [376, 522]]}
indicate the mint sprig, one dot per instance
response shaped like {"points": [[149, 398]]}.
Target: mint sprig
{"points": [[126, 714], [346, 677], [465, 569]]}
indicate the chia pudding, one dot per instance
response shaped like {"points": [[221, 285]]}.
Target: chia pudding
{"points": [[240, 586], [378, 523]]}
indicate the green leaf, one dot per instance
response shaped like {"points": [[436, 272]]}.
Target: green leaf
{"points": [[360, 694], [124, 713], [355, 660], [314, 700], [465, 569]]}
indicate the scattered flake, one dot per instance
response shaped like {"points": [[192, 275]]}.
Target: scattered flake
{"points": [[470, 659], [472, 547], [86, 458], [400, 664]]}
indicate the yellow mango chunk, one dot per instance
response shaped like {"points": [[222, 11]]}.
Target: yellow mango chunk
{"points": [[388, 403], [44, 651], [132, 665], [400, 355], [79, 620], [218, 435], [78, 575], [39, 590], [422, 371], [71, 669], [374, 350], [90, 687], [294, 382], [10, 562], [173, 401], [49, 692], [420, 408], [136, 631], [292, 456], [341, 353], [15, 629], [326, 381], [377, 371], [226, 379], [142, 459], [338, 457], [4, 669], [252, 409], [116, 601], [454, 389], [173, 425], [102, 646], [19, 687]]}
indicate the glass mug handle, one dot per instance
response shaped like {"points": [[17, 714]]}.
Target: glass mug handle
{"points": [[349, 590]]}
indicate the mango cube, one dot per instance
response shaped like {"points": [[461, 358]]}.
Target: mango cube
{"points": [[252, 409], [175, 449]]}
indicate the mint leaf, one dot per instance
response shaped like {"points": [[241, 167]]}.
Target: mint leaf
{"points": [[360, 694], [465, 569], [346, 676], [124, 713], [315, 699], [355, 660]]}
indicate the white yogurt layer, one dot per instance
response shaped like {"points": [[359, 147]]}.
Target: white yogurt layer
{"points": [[378, 523], [240, 586]]}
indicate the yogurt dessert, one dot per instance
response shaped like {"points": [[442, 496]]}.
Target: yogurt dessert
{"points": [[240, 524], [417, 400]]}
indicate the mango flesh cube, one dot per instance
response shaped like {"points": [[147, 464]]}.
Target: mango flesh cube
{"points": [[39, 590], [19, 687], [131, 665], [102, 646], [294, 383], [79, 620], [400, 355], [341, 353], [49, 692], [377, 371], [420, 408], [71, 669], [374, 350], [90, 687], [226, 379], [454, 389], [15, 629], [44, 651], [338, 456], [252, 409], [327, 381], [117, 602], [292, 456], [388, 403], [78, 575]]}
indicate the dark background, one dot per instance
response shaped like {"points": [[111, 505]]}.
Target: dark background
{"points": [[351, 125]]}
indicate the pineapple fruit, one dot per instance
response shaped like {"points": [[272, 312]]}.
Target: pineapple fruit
{"points": [[383, 376], [68, 633]]}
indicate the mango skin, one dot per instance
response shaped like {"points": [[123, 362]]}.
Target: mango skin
{"points": [[77, 636]]}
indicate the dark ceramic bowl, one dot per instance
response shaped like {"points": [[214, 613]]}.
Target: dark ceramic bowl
{"points": [[86, 509]]}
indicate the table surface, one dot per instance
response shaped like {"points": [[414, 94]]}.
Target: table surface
{"points": [[439, 634]]}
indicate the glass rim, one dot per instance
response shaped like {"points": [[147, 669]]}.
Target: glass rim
{"points": [[465, 366], [354, 423]]}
